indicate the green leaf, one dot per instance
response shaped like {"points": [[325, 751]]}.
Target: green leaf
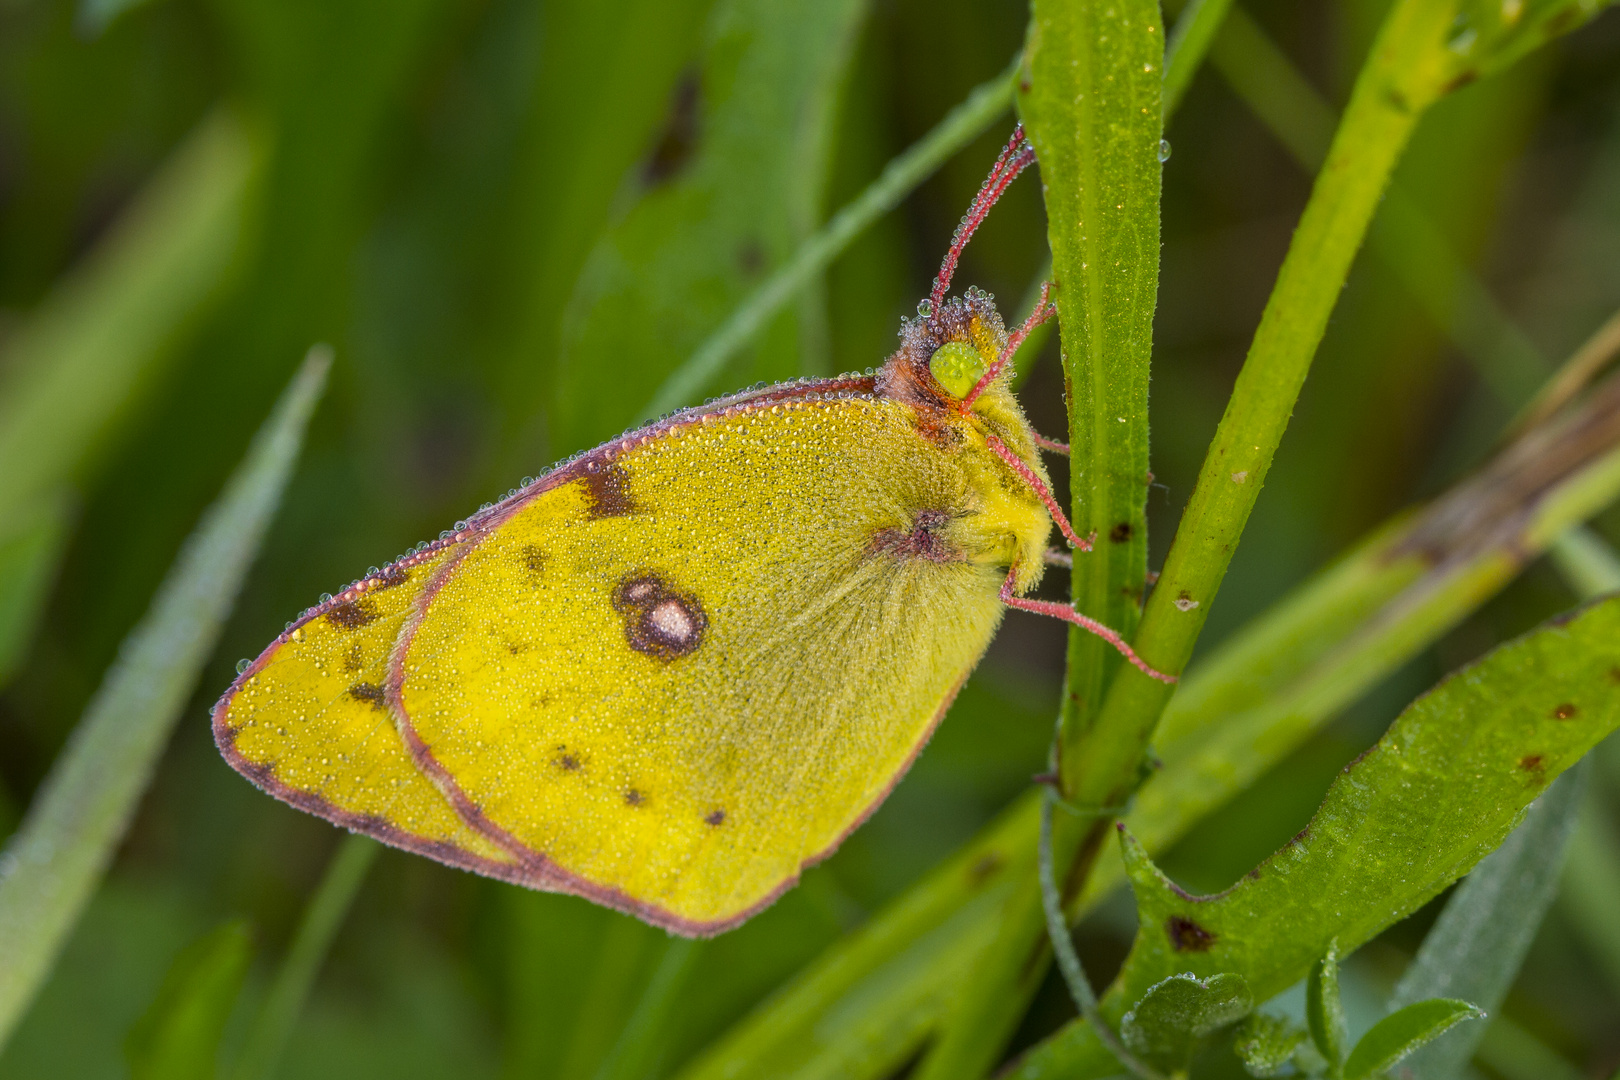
{"points": [[1441, 789], [1323, 1012], [83, 807], [107, 329], [740, 202], [178, 1037], [1266, 1044], [1476, 946], [1167, 1023], [1490, 35], [1091, 106], [1402, 1032]]}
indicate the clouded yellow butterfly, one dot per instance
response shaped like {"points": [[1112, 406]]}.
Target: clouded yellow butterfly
{"points": [[676, 670]]}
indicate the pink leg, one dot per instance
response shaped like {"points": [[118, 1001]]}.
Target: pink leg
{"points": [[1051, 444], [1043, 311], [1043, 492], [1015, 157], [1069, 615]]}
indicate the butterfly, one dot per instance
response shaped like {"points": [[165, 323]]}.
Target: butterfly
{"points": [[678, 669]]}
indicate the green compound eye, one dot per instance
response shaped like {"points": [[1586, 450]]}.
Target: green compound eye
{"points": [[956, 366]]}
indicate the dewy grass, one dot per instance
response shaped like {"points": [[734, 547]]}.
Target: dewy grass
{"points": [[56, 859]]}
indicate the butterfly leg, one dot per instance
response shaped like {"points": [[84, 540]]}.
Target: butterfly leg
{"points": [[1050, 444], [1042, 492], [1054, 557], [1069, 615], [1044, 309]]}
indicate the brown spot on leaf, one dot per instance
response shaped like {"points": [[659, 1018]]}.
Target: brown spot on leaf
{"points": [[634, 798], [1188, 936], [1120, 533], [751, 258], [370, 693], [715, 817], [1531, 763], [660, 621], [351, 614], [1566, 711], [984, 867], [678, 140], [607, 491]]}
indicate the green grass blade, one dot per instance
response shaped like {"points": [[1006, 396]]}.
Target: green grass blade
{"points": [[108, 327], [313, 939], [178, 1037], [1591, 881], [899, 178], [636, 1051], [1476, 947], [1195, 30], [31, 546], [693, 247], [57, 857]]}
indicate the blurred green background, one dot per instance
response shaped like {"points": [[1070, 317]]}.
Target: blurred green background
{"points": [[512, 219]]}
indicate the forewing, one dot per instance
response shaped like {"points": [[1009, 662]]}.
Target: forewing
{"points": [[689, 671], [308, 722]]}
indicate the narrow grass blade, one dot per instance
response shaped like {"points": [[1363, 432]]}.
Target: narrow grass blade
{"points": [[900, 177], [322, 918], [107, 328], [635, 1053], [1190, 39], [57, 857], [178, 1037], [1591, 883], [31, 546], [1476, 947]]}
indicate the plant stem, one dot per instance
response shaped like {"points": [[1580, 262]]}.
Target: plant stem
{"points": [[1195, 30], [56, 859], [900, 177], [322, 918]]}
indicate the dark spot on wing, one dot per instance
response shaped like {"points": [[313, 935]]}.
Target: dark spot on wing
{"points": [[715, 817], [659, 620], [607, 491], [1120, 533], [391, 577], [1188, 936], [370, 693], [534, 559], [355, 660], [567, 762], [351, 614], [924, 540], [634, 798], [1566, 711]]}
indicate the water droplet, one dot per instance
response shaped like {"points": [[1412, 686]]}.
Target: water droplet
{"points": [[1164, 150], [242, 666], [925, 309]]}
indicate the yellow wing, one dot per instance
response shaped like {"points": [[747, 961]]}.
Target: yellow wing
{"points": [[678, 678], [308, 723]]}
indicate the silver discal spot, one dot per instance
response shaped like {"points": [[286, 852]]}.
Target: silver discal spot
{"points": [[659, 620]]}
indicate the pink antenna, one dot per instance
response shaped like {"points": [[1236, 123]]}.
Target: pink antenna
{"points": [[1015, 157]]}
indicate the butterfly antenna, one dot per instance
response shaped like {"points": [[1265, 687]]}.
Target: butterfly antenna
{"points": [[1015, 157], [1044, 310]]}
